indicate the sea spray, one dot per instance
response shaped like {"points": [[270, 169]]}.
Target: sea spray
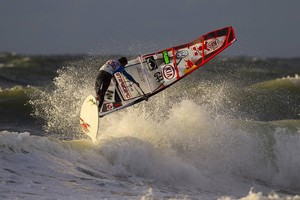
{"points": [[193, 132], [59, 104], [216, 147]]}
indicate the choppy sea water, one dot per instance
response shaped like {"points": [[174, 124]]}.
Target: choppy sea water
{"points": [[230, 130]]}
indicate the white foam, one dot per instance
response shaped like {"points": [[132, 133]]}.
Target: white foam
{"points": [[167, 144], [193, 152]]}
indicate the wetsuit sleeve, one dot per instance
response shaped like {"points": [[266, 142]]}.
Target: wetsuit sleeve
{"points": [[128, 76]]}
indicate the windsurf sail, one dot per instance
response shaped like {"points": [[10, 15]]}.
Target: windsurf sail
{"points": [[159, 70]]}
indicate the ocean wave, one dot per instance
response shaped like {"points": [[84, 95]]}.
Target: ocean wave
{"points": [[30, 70], [253, 150], [14, 91], [15, 96], [289, 83], [15, 110], [193, 150], [203, 136], [261, 196]]}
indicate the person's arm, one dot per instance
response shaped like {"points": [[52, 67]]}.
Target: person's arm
{"points": [[128, 76]]}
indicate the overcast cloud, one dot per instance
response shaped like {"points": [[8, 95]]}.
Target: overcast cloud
{"points": [[264, 28]]}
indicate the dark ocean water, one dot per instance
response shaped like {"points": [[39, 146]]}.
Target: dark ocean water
{"points": [[253, 89], [232, 125]]}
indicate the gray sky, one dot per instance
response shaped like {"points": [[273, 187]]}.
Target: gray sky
{"points": [[264, 28]]}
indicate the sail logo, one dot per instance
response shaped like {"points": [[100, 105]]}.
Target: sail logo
{"points": [[168, 72], [182, 54], [152, 65], [158, 77], [109, 95], [109, 106], [122, 86], [166, 57], [214, 44], [189, 64]]}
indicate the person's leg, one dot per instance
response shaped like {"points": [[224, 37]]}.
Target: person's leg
{"points": [[98, 83], [105, 81]]}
